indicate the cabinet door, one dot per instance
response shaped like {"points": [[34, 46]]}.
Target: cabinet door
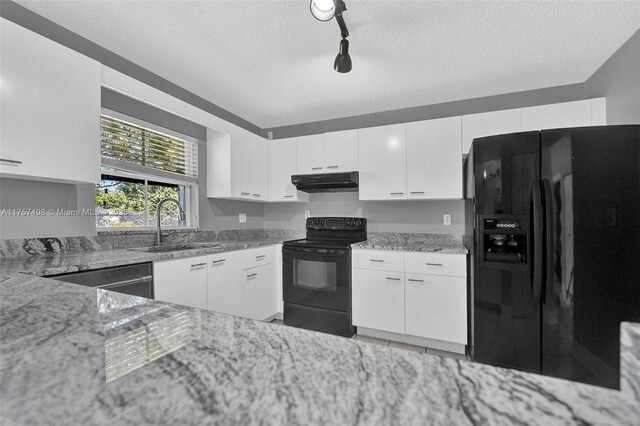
{"points": [[283, 165], [50, 97], [260, 292], [382, 158], [434, 159], [436, 307], [259, 170], [378, 300], [181, 281], [240, 162], [566, 114], [488, 124], [310, 154], [224, 287], [341, 151]]}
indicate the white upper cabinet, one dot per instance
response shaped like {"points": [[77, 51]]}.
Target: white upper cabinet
{"points": [[283, 165], [50, 97], [489, 124], [589, 112], [310, 154], [260, 188], [382, 159], [237, 165], [434, 159], [341, 151]]}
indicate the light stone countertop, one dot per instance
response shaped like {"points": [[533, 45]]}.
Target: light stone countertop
{"points": [[59, 351], [428, 243]]}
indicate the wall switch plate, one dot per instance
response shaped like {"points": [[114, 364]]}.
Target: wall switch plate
{"points": [[307, 214], [270, 136], [242, 217], [447, 219]]}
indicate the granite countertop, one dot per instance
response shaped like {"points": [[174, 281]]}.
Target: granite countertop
{"points": [[61, 363], [64, 262], [429, 243]]}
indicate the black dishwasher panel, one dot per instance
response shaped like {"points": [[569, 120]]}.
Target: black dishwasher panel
{"points": [[136, 280]]}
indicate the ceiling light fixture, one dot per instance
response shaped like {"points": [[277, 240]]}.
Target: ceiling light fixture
{"points": [[325, 10]]}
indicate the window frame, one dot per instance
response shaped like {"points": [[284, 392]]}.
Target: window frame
{"points": [[191, 202]]}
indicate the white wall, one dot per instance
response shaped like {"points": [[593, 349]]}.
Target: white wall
{"points": [[382, 216]]}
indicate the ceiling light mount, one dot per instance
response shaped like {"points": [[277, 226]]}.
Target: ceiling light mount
{"points": [[325, 10]]}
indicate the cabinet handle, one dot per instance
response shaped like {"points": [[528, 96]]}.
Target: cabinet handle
{"points": [[416, 192], [288, 196], [218, 261], [252, 275], [393, 279], [316, 168], [199, 264], [376, 260], [332, 167], [257, 195], [262, 256], [245, 193], [396, 193], [415, 281], [6, 160], [433, 264]]}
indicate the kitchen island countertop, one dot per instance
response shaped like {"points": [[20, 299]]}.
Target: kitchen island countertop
{"points": [[61, 364]]}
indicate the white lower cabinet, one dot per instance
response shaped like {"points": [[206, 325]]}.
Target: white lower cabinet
{"points": [[181, 281], [228, 283], [378, 300], [422, 296], [436, 307]]}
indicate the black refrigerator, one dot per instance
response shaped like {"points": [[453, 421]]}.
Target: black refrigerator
{"points": [[553, 229]]}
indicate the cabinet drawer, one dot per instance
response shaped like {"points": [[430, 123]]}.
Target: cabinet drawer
{"points": [[454, 265], [378, 260], [257, 256]]}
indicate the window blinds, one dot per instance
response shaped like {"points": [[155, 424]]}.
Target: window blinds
{"points": [[132, 148]]}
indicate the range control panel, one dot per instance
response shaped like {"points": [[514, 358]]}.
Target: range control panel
{"points": [[337, 223]]}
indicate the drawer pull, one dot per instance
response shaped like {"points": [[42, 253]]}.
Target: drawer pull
{"points": [[199, 264], [252, 275], [316, 168], [245, 193], [262, 256], [393, 279], [288, 196], [416, 192], [433, 264], [396, 193], [218, 261], [332, 167], [6, 160], [376, 260], [415, 281], [257, 195]]}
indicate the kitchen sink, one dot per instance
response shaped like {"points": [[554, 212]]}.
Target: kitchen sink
{"points": [[176, 247]]}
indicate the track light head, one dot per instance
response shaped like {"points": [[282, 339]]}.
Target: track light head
{"points": [[342, 63], [323, 10]]}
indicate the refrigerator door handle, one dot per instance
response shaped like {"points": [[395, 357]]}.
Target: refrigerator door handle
{"points": [[548, 226], [536, 199]]}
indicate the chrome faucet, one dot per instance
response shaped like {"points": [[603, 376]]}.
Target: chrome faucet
{"points": [[160, 204]]}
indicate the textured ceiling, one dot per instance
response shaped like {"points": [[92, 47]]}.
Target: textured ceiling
{"points": [[271, 62]]}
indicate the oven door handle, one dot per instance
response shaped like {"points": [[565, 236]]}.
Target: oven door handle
{"points": [[319, 251]]}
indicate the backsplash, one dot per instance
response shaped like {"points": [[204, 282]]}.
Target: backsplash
{"points": [[114, 240]]}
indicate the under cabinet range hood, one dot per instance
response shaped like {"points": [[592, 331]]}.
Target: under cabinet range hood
{"points": [[326, 182]]}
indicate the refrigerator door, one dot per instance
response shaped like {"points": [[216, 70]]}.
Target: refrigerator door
{"points": [[591, 191], [506, 315]]}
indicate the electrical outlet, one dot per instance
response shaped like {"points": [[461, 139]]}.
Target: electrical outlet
{"points": [[307, 214], [270, 136], [242, 217], [447, 219]]}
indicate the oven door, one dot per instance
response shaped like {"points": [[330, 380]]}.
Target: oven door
{"points": [[318, 277]]}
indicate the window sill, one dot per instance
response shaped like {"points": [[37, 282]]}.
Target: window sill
{"points": [[144, 229]]}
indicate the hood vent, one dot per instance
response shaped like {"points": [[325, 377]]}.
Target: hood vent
{"points": [[326, 182]]}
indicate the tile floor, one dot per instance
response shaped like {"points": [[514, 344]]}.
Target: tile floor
{"points": [[398, 345]]}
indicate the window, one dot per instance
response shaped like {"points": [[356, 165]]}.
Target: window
{"points": [[141, 167]]}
